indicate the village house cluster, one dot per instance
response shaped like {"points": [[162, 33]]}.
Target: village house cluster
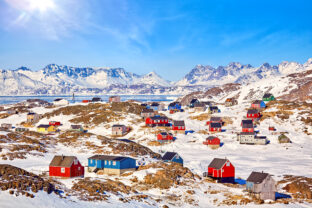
{"points": [[259, 184]]}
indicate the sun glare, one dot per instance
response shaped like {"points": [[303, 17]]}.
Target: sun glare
{"points": [[41, 5]]}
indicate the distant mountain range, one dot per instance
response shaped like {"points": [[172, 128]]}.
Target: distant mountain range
{"points": [[55, 79]]}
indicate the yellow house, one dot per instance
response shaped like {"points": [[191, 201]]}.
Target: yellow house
{"points": [[46, 129]]}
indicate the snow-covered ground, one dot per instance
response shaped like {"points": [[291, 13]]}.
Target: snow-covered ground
{"points": [[274, 158]]}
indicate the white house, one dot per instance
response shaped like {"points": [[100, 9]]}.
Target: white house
{"points": [[60, 102]]}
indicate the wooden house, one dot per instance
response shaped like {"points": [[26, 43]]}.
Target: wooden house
{"points": [[147, 113], [164, 137], [261, 185], [33, 117], [96, 99], [258, 104], [46, 129], [75, 127], [155, 106], [157, 121], [214, 119], [247, 125], [119, 130], [54, 123], [268, 97], [222, 170], [113, 99], [65, 167], [178, 127], [212, 141], [86, 101], [230, 102], [200, 107], [272, 128], [283, 139], [253, 114], [215, 127], [111, 165], [6, 125], [172, 157], [21, 129], [213, 109], [192, 102], [60, 102], [175, 106], [251, 138]]}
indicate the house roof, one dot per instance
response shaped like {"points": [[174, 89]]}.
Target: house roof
{"points": [[75, 126], [96, 99], [43, 126], [58, 99], [107, 157], [211, 137], [247, 121], [194, 100], [214, 118], [168, 155], [178, 123], [145, 110], [252, 111], [248, 125], [155, 104], [217, 163], [229, 100], [213, 107], [174, 103], [257, 177], [267, 95], [31, 113], [158, 117], [118, 125], [62, 161], [215, 125], [165, 133], [257, 102]]}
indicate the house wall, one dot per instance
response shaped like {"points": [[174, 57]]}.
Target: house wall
{"points": [[76, 170], [246, 139], [266, 189], [56, 171]]}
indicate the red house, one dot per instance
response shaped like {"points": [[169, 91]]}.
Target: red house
{"points": [[54, 123], [164, 137], [212, 141], [85, 101], [253, 114], [215, 127], [247, 126], [178, 127], [222, 170], [157, 121], [65, 167], [214, 120]]}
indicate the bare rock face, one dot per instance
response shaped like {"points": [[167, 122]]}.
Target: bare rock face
{"points": [[299, 186]]}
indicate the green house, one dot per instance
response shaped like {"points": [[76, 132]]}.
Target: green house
{"points": [[268, 97]]}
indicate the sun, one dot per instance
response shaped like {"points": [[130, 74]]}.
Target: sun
{"points": [[41, 5]]}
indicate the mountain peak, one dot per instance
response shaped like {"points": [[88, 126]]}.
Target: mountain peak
{"points": [[23, 68]]}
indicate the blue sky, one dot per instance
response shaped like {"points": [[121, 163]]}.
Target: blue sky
{"points": [[169, 37]]}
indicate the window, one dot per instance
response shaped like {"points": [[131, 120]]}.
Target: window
{"points": [[114, 162], [78, 168], [228, 164], [62, 170], [106, 162], [75, 162]]}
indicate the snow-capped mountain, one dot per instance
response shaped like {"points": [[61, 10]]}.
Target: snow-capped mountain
{"points": [[236, 72], [56, 79]]}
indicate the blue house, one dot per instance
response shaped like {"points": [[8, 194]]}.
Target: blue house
{"points": [[111, 165], [172, 157], [174, 106], [154, 106], [258, 104]]}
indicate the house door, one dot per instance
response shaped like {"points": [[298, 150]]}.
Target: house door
{"points": [[215, 173]]}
